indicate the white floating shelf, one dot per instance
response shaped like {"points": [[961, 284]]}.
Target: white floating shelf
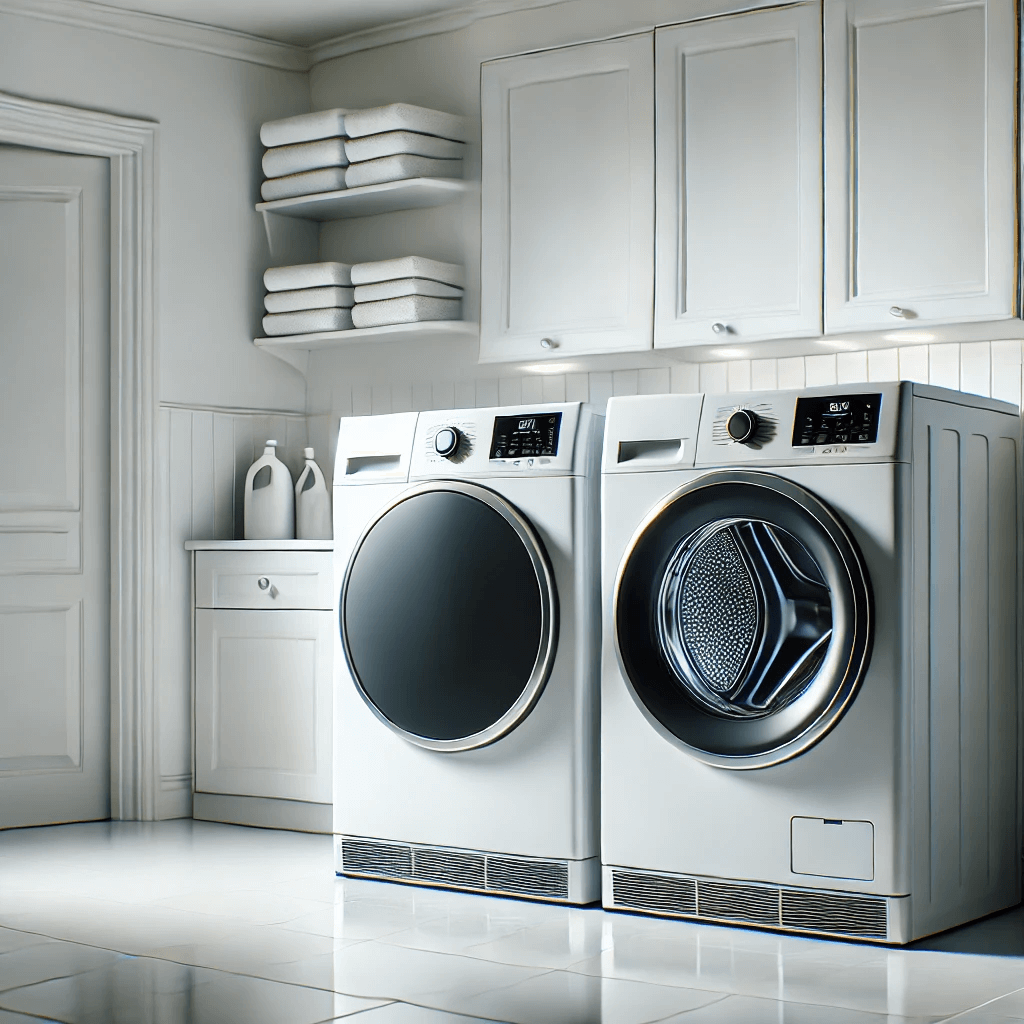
{"points": [[295, 348], [366, 200]]}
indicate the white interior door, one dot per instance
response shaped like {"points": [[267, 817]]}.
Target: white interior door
{"points": [[567, 202], [920, 179], [739, 178], [54, 488]]}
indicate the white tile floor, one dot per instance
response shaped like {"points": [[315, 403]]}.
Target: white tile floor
{"points": [[175, 922]]}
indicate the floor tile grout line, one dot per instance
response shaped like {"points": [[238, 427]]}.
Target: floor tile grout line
{"points": [[979, 1006]]}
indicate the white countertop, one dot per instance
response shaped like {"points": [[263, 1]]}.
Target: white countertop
{"points": [[259, 545]]}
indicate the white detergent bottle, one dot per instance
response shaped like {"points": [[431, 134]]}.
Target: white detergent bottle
{"points": [[312, 503], [269, 507]]}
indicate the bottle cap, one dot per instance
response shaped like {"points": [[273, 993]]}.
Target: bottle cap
{"points": [[308, 452], [271, 444]]}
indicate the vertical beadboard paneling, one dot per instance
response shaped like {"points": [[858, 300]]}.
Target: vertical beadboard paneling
{"points": [[764, 374], [625, 382], [944, 365], [602, 387], [203, 488], [442, 394], [223, 476], [913, 362], [714, 377], [510, 391], [553, 387], [166, 620], [654, 381], [421, 396], [577, 387], [820, 371], [792, 373], [487, 394], [685, 379], [296, 434], [532, 390], [380, 399], [883, 365], [362, 399], [851, 367], [401, 398], [341, 399], [465, 395], [976, 367], [245, 447], [1006, 371], [738, 375]]}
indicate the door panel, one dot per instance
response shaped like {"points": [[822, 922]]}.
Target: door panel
{"points": [[568, 203], [739, 178], [920, 154], [54, 489]]}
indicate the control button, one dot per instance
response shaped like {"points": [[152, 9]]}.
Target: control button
{"points": [[446, 442], [499, 454], [742, 425]]}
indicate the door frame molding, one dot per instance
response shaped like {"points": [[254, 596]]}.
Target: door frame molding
{"points": [[129, 145]]}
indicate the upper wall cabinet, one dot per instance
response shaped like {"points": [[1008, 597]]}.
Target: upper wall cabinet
{"points": [[739, 246], [567, 260], [920, 213]]}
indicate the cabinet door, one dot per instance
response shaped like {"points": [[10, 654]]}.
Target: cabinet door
{"points": [[739, 178], [568, 201], [263, 703], [920, 210]]}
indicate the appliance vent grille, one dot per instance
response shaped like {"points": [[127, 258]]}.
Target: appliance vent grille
{"points": [[835, 912], [386, 859], [831, 913], [654, 892], [730, 901], [449, 867], [528, 877]]}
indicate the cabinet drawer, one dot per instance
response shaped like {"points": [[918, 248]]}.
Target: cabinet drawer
{"points": [[291, 579]]}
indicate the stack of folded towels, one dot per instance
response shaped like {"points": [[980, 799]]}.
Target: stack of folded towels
{"points": [[308, 298], [406, 290], [334, 149]]}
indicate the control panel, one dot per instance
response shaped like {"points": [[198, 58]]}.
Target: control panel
{"points": [[836, 419], [525, 436]]}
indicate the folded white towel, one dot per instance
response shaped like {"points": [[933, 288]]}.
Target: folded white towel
{"points": [[371, 147], [309, 298], [307, 183], [400, 167], [307, 275], [405, 286], [408, 266], [309, 321], [407, 310], [404, 117], [321, 124], [304, 156]]}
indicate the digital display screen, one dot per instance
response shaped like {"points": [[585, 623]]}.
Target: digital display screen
{"points": [[516, 437], [836, 419]]}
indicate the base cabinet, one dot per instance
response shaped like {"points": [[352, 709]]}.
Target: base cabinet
{"points": [[263, 689]]}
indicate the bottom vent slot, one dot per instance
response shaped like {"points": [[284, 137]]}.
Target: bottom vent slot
{"points": [[738, 902], [654, 892], [448, 867], [386, 859], [528, 877], [832, 912]]}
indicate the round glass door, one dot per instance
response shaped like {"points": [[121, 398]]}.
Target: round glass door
{"points": [[449, 616], [743, 619]]}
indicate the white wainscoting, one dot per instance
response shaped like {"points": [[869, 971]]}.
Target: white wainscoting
{"points": [[203, 456]]}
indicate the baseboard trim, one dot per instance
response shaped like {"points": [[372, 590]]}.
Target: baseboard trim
{"points": [[263, 812]]}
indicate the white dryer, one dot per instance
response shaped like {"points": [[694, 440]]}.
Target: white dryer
{"points": [[810, 715], [468, 653]]}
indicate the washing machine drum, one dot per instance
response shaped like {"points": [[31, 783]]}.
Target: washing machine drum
{"points": [[743, 619], [449, 616]]}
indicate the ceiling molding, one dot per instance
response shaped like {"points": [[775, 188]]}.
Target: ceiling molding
{"points": [[415, 28], [153, 28]]}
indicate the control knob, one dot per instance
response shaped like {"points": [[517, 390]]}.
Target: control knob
{"points": [[447, 441], [742, 425]]}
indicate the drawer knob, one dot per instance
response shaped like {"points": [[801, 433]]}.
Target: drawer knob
{"points": [[263, 583], [720, 328], [548, 343]]}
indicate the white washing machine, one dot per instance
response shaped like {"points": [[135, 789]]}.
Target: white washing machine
{"points": [[468, 658], [810, 712]]}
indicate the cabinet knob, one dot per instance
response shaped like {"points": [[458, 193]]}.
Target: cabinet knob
{"points": [[719, 328], [548, 343], [899, 311], [263, 583]]}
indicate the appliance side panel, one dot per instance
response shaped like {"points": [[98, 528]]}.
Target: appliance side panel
{"points": [[967, 840]]}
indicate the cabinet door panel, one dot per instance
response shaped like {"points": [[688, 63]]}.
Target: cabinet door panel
{"points": [[568, 204], [739, 178], [920, 118], [263, 703]]}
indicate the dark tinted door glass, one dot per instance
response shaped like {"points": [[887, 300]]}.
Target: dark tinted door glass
{"points": [[443, 615]]}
